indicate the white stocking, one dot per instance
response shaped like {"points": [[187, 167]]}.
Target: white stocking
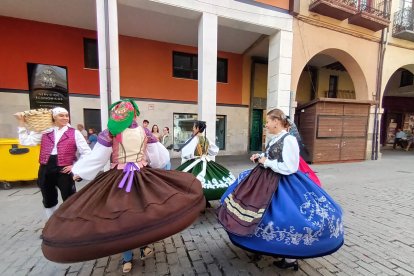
{"points": [[49, 211], [290, 260]]}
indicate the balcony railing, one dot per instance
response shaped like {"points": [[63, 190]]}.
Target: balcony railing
{"points": [[341, 94], [377, 8], [339, 9], [371, 14], [403, 25]]}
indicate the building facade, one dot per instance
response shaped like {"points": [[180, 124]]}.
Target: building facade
{"points": [[359, 56], [343, 69], [179, 60]]}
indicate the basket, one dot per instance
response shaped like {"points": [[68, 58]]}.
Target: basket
{"points": [[38, 120]]}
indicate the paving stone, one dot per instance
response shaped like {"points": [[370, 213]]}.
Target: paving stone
{"points": [[172, 258], [199, 267], [162, 269], [213, 269], [160, 257]]}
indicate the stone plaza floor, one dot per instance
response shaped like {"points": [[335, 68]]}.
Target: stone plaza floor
{"points": [[377, 198]]}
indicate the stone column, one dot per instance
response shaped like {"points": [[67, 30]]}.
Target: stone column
{"points": [[108, 54], [207, 72], [279, 72]]}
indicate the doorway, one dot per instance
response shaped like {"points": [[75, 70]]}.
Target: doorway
{"points": [[92, 119], [256, 132]]}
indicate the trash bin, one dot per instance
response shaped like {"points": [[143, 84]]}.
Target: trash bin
{"points": [[17, 162]]}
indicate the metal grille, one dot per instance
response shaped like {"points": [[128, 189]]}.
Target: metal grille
{"points": [[378, 8], [403, 20]]}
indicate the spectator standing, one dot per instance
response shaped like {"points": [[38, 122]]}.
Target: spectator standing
{"points": [[166, 140], [83, 131], [156, 132], [92, 138]]}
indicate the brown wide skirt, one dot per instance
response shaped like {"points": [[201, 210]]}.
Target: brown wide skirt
{"points": [[102, 219]]}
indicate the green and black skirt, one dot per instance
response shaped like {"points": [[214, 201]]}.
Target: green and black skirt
{"points": [[214, 178]]}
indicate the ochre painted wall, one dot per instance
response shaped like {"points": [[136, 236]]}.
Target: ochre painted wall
{"points": [[145, 65], [344, 81], [260, 81], [283, 4], [303, 92]]}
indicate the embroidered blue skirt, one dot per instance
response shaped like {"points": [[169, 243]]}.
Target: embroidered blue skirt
{"points": [[302, 221]]}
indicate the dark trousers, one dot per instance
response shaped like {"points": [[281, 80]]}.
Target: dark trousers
{"points": [[399, 142], [50, 179]]}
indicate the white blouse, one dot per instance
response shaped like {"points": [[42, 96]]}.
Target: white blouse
{"points": [[88, 167], [188, 151], [290, 154], [31, 138]]}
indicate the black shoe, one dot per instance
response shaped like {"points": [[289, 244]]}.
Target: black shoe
{"points": [[283, 264]]}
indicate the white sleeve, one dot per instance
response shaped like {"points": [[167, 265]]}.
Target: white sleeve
{"points": [[188, 151], [28, 138], [81, 144], [212, 149], [89, 166], [290, 154]]}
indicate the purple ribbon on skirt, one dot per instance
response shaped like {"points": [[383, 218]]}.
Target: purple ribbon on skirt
{"points": [[129, 169]]}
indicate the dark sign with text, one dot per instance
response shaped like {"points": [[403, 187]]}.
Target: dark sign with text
{"points": [[48, 86]]}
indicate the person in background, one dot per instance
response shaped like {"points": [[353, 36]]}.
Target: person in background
{"points": [[399, 136], [166, 140], [156, 132], [410, 140], [92, 138], [145, 124], [83, 131], [58, 147]]}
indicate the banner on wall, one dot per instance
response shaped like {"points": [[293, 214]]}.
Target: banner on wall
{"points": [[48, 86]]}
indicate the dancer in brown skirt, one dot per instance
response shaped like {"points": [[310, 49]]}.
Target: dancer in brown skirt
{"points": [[129, 206]]}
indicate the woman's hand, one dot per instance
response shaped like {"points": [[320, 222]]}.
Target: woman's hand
{"points": [[77, 178], [67, 169], [254, 157], [20, 118]]}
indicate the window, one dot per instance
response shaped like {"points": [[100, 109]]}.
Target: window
{"points": [[92, 119], [221, 132], [90, 48], [183, 129], [406, 78], [222, 70], [186, 66], [333, 86]]}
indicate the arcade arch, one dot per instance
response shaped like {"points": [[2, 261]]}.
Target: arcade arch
{"points": [[398, 104]]}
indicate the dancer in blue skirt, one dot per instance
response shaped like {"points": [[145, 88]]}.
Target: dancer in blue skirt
{"points": [[276, 210]]}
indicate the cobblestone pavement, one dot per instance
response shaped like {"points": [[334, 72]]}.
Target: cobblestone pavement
{"points": [[377, 198]]}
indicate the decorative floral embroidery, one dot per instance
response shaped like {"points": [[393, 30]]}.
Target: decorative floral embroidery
{"points": [[215, 183], [319, 211], [122, 112]]}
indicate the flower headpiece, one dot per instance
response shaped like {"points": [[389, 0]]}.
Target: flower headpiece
{"points": [[122, 114]]}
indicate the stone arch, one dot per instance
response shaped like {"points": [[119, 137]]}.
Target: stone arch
{"points": [[397, 103], [351, 65]]}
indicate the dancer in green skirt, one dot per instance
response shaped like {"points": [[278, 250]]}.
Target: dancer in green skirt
{"points": [[196, 159]]}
